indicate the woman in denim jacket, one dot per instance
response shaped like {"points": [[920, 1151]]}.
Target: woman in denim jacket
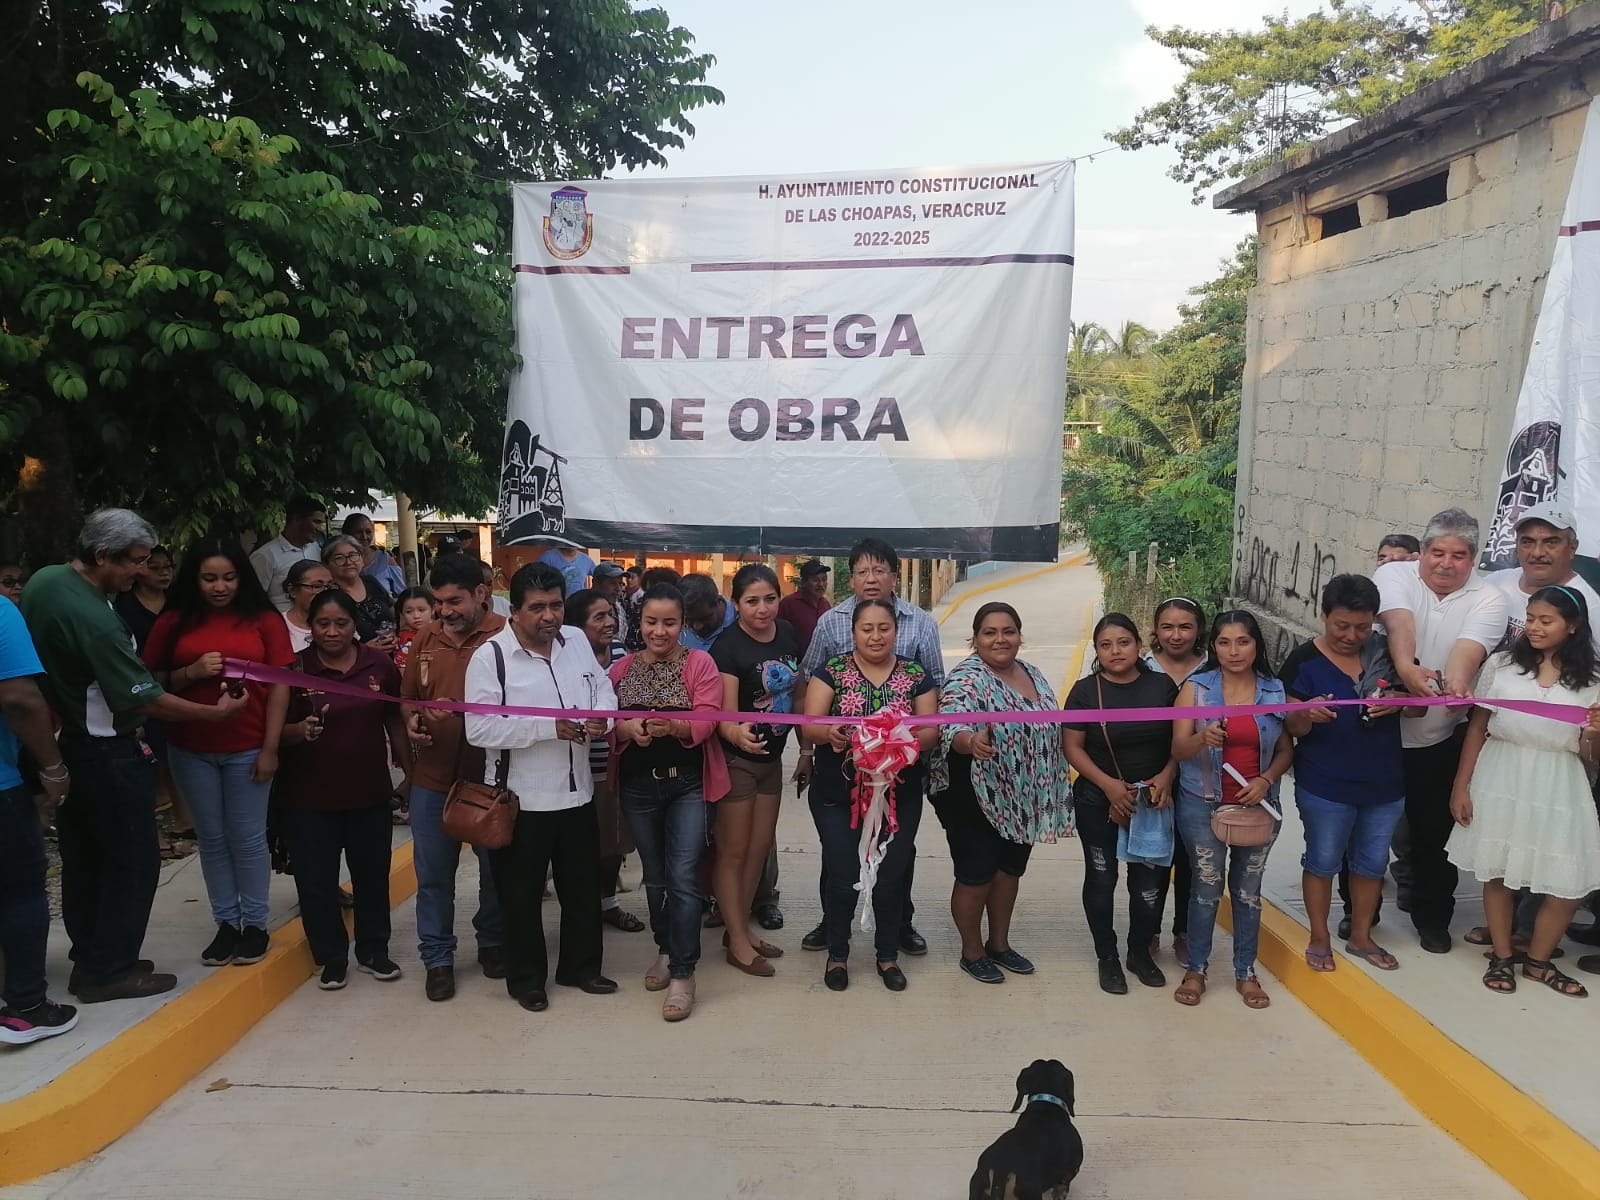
{"points": [[1261, 751]]}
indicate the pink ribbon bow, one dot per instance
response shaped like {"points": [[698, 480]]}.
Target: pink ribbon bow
{"points": [[881, 748]]}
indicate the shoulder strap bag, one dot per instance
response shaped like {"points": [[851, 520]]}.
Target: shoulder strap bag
{"points": [[1241, 824], [1139, 788], [475, 812]]}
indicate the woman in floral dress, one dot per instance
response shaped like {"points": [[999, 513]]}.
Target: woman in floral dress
{"points": [[870, 679], [997, 788]]}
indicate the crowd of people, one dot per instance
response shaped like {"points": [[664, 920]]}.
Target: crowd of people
{"points": [[303, 775]]}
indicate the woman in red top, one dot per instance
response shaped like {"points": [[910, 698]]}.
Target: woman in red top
{"points": [[219, 610]]}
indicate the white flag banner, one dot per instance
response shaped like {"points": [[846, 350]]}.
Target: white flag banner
{"points": [[785, 365], [1555, 435]]}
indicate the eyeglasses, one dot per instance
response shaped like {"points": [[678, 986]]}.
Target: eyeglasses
{"points": [[311, 587], [871, 573], [136, 562], [341, 559], [10, 580]]}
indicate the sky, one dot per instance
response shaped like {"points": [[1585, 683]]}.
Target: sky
{"points": [[836, 86]]}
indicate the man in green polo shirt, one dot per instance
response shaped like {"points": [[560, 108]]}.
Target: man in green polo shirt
{"points": [[110, 850]]}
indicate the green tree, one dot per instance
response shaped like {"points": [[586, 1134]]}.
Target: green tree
{"points": [[258, 245], [1161, 469], [1248, 97]]}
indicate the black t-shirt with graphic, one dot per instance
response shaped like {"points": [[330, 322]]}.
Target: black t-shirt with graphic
{"points": [[767, 673]]}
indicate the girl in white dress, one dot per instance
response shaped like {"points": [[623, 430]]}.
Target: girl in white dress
{"points": [[1524, 813]]}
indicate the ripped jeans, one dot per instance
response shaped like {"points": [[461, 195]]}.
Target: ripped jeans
{"points": [[1244, 866], [1147, 885]]}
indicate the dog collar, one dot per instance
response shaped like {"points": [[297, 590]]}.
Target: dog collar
{"points": [[1049, 1099]]}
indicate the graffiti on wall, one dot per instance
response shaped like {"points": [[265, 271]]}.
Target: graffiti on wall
{"points": [[1283, 580]]}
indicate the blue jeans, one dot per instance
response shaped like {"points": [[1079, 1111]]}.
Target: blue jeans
{"points": [[230, 825], [1334, 831], [24, 911], [669, 822], [436, 858], [1210, 859]]}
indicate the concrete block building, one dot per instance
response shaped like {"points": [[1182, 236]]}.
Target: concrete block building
{"points": [[1402, 265]]}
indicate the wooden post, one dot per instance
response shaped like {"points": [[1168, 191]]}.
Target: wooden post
{"points": [[716, 570], [916, 581], [406, 529], [1150, 565], [1133, 565]]}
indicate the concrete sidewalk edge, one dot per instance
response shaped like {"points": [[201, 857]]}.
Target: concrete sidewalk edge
{"points": [[97, 1100], [1517, 1138]]}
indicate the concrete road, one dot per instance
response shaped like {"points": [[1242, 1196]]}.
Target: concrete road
{"points": [[780, 1088]]}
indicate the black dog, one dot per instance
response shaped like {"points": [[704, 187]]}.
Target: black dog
{"points": [[1040, 1156]]}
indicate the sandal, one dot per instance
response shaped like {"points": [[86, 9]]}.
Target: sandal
{"points": [[1321, 961], [1374, 956], [1191, 989], [1500, 977], [679, 1002], [1254, 997], [621, 918], [1552, 977], [657, 977], [1478, 935]]}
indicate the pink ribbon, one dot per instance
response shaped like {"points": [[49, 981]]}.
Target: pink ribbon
{"points": [[881, 747], [1570, 714]]}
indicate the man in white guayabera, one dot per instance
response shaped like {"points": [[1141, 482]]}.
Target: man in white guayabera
{"points": [[1442, 619]]}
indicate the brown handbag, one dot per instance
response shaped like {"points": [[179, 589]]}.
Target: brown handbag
{"points": [[475, 812]]}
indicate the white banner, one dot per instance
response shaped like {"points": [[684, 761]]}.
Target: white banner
{"points": [[784, 365], [1555, 435]]}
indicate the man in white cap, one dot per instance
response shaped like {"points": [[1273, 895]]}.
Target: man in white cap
{"points": [[1547, 543]]}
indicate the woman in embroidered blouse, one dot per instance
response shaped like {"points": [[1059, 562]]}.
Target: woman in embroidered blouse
{"points": [[997, 789], [869, 679], [1258, 749], [667, 769]]}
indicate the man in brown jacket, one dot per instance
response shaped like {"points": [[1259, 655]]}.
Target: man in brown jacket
{"points": [[437, 670]]}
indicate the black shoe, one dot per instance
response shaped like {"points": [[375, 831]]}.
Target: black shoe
{"points": [[1112, 980], [47, 1019], [379, 967], [334, 976], [1145, 971], [223, 947], [912, 942], [595, 985], [1344, 928], [984, 969], [75, 979], [493, 961], [713, 917], [252, 947], [1589, 964], [1435, 941], [769, 917], [893, 978], [1584, 935], [1402, 899], [817, 939], [838, 977], [135, 985], [440, 983], [535, 1001], [1008, 958]]}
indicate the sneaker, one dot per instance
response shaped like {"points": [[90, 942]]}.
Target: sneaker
{"points": [[379, 966], [333, 976], [45, 1019], [253, 943], [223, 947]]}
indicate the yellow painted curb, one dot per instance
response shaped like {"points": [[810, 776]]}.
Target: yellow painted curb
{"points": [[96, 1101], [983, 589], [1075, 668], [1528, 1146]]}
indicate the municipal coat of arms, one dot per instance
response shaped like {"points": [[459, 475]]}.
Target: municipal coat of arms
{"points": [[569, 229]]}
